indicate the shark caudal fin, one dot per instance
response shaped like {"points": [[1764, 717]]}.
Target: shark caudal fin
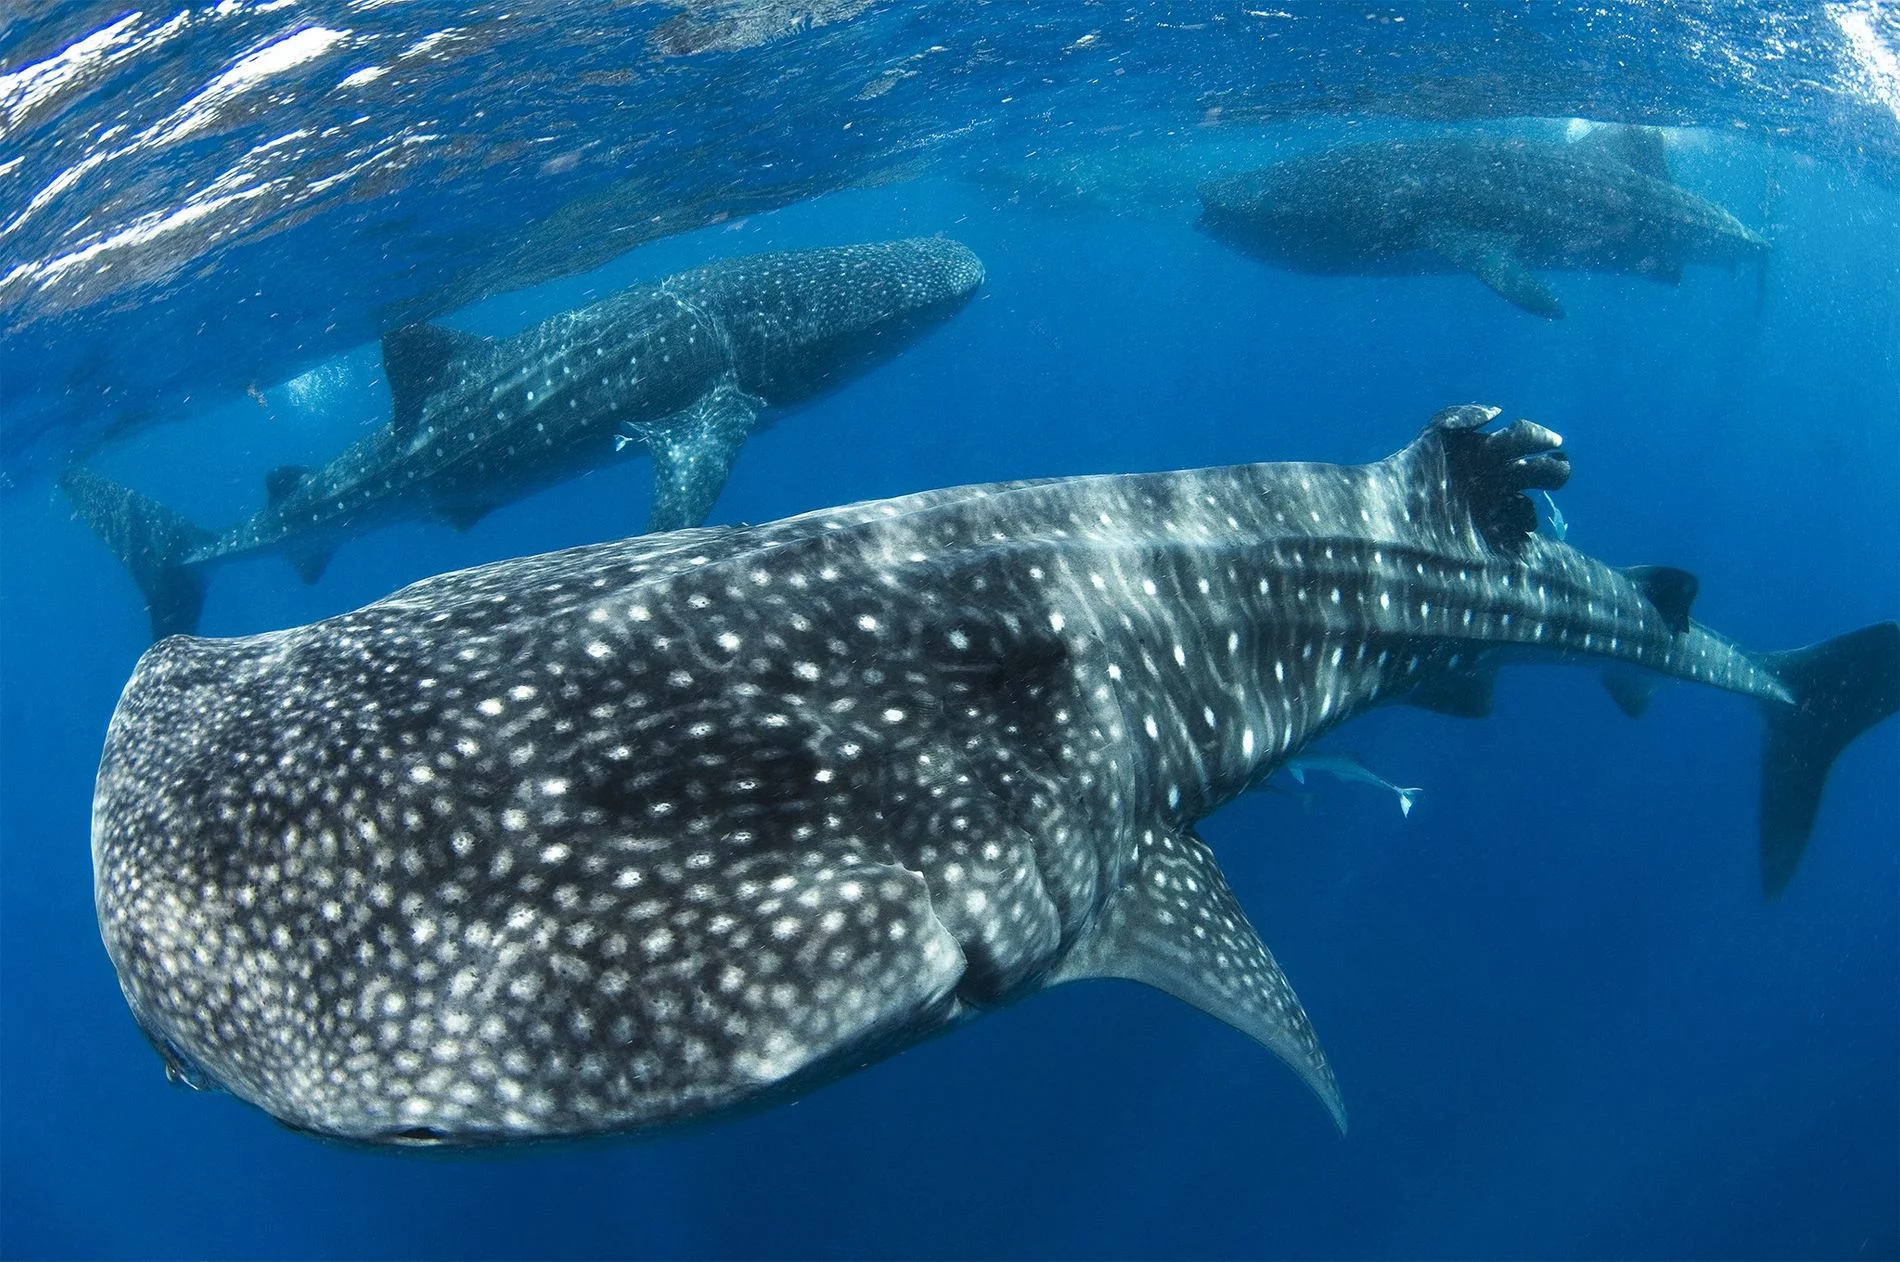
{"points": [[151, 541], [1841, 688]]}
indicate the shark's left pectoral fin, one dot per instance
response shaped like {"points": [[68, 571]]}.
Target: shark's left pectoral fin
{"points": [[1175, 925], [693, 453], [1493, 260]]}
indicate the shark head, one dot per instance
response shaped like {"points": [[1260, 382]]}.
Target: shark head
{"points": [[1274, 213], [801, 323]]}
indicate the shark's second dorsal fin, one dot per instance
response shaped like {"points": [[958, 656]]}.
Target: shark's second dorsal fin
{"points": [[1175, 925], [1671, 591], [1638, 148], [417, 360], [281, 481]]}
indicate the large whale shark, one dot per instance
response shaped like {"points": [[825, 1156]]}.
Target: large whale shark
{"points": [[1496, 207], [686, 365], [643, 831]]}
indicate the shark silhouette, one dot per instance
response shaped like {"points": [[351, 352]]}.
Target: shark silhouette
{"points": [[1495, 207], [685, 365], [634, 833]]}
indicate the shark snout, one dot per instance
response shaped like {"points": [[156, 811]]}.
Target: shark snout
{"points": [[959, 270]]}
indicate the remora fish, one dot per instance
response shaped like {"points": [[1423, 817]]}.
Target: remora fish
{"points": [[1347, 767], [1495, 207], [634, 833], [687, 363]]}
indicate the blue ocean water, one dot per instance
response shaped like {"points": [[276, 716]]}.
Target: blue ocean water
{"points": [[1565, 1021]]}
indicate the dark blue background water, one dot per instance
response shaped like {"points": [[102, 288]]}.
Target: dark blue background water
{"points": [[1564, 1020]]}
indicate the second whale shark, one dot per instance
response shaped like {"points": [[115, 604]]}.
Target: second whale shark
{"points": [[634, 833], [689, 366], [1498, 207]]}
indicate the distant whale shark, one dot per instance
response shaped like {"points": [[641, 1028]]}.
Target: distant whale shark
{"points": [[686, 365], [634, 833], [1492, 206]]}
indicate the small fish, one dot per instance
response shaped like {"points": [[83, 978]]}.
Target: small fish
{"points": [[1559, 529], [1348, 767]]}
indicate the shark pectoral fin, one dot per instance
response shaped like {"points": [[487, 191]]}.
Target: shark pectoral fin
{"points": [[693, 454], [1474, 480], [1670, 590], [1176, 926], [310, 562], [1464, 694], [281, 481], [418, 360], [1492, 260], [1841, 687]]}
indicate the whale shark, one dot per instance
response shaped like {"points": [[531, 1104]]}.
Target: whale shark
{"points": [[689, 366], [648, 831], [1496, 207]]}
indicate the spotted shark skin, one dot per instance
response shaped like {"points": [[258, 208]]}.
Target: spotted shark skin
{"points": [[683, 368], [1496, 207], [635, 833]]}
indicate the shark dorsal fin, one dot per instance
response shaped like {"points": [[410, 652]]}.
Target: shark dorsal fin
{"points": [[1175, 925], [1640, 149], [1671, 591], [281, 481], [418, 359]]}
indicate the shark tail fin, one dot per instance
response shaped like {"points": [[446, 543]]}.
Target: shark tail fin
{"points": [[1841, 687], [1406, 798], [151, 541]]}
